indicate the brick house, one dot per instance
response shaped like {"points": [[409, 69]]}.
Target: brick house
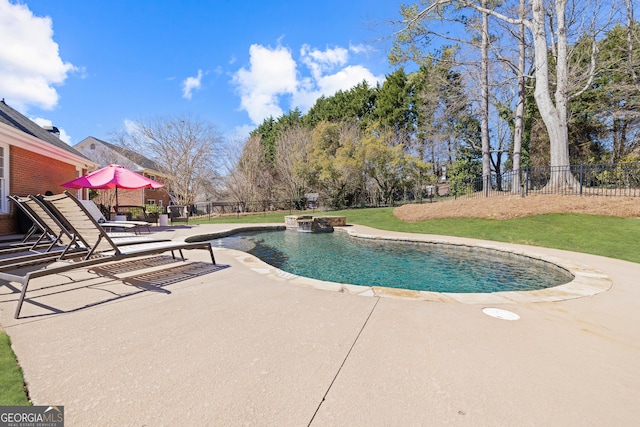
{"points": [[104, 153], [33, 160]]}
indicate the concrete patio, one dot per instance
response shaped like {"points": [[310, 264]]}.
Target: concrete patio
{"points": [[160, 342]]}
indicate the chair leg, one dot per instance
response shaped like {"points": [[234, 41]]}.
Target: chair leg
{"points": [[25, 284]]}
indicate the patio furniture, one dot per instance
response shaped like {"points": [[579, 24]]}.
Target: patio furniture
{"points": [[96, 213], [137, 213], [64, 244], [101, 247], [55, 241], [178, 213], [121, 238], [60, 243]]}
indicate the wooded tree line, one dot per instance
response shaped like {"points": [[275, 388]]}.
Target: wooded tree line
{"points": [[505, 85]]}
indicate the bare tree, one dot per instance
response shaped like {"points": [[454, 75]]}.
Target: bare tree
{"points": [[415, 34], [291, 152], [550, 30], [251, 178], [186, 149], [549, 27]]}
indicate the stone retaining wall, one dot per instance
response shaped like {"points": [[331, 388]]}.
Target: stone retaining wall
{"points": [[291, 221]]}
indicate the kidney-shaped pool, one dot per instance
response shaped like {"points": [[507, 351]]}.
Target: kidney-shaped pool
{"points": [[338, 257]]}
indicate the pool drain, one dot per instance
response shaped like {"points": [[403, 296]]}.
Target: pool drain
{"points": [[499, 313]]}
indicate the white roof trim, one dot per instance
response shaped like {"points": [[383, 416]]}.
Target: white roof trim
{"points": [[15, 137]]}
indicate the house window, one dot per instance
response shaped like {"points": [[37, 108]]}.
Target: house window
{"points": [[92, 146], [151, 202], [153, 177], [4, 178]]}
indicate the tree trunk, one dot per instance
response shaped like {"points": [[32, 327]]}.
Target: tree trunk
{"points": [[553, 116], [518, 130], [484, 87], [630, 45]]}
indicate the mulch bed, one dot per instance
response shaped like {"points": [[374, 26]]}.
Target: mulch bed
{"points": [[506, 207]]}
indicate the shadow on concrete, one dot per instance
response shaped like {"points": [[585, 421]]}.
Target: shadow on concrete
{"points": [[109, 285]]}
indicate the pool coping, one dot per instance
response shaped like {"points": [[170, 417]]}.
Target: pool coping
{"points": [[587, 281]]}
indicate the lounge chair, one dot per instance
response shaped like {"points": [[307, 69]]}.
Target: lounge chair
{"points": [[54, 238], [60, 243], [55, 226], [101, 248], [95, 212], [43, 236]]}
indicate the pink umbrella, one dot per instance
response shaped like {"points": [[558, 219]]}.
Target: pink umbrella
{"points": [[113, 176]]}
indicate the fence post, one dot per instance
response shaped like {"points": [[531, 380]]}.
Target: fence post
{"points": [[581, 178], [521, 182], [487, 182]]}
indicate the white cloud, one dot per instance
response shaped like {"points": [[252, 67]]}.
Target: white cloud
{"points": [[322, 61], [327, 85], [361, 49], [190, 84], [64, 136], [30, 64], [131, 126], [271, 72], [81, 72], [346, 78], [241, 133], [273, 77]]}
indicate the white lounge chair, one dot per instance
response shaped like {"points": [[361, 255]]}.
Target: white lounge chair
{"points": [[95, 212]]}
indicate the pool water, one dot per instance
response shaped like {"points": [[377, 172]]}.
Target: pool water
{"points": [[338, 257]]}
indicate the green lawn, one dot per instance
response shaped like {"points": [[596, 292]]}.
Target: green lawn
{"points": [[593, 234], [12, 392]]}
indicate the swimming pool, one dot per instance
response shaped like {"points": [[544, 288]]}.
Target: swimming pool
{"points": [[338, 257]]}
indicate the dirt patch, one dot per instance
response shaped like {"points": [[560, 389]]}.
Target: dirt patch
{"points": [[505, 207]]}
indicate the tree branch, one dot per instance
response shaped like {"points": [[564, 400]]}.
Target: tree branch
{"points": [[592, 71], [502, 17]]}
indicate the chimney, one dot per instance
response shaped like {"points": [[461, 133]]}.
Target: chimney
{"points": [[52, 129]]}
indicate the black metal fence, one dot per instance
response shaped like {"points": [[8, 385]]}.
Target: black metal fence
{"points": [[622, 179], [211, 209], [321, 204]]}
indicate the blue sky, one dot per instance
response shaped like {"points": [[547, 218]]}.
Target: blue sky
{"points": [[91, 67]]}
